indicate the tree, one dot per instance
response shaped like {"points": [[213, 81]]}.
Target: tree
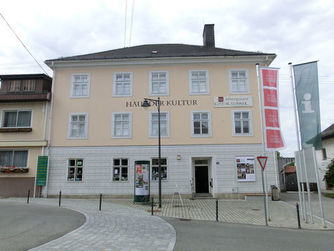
{"points": [[329, 176]]}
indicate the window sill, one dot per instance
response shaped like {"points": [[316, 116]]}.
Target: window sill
{"points": [[18, 129]]}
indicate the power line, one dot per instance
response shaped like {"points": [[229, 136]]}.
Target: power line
{"points": [[131, 22], [25, 47], [125, 16]]}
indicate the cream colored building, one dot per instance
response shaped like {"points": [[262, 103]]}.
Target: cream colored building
{"points": [[210, 120], [24, 107]]}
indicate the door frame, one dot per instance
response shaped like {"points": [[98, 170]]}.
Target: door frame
{"points": [[208, 164]]}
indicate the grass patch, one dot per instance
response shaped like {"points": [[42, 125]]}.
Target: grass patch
{"points": [[329, 195]]}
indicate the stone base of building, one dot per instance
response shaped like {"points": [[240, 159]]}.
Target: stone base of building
{"points": [[16, 187], [186, 166]]}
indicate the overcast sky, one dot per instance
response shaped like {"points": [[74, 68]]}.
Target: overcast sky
{"points": [[297, 31]]}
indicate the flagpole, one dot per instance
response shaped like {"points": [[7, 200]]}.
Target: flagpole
{"points": [[318, 186], [299, 175], [266, 203], [308, 188]]}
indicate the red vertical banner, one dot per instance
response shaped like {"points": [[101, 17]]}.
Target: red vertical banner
{"points": [[273, 136]]}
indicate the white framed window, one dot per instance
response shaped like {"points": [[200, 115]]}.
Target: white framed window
{"points": [[17, 119], [159, 83], [80, 85], [75, 169], [16, 158], [201, 123], [199, 82], [242, 123], [239, 82], [155, 169], [154, 124], [121, 125], [78, 126], [122, 84], [120, 170]]}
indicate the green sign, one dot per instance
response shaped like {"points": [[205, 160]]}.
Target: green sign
{"points": [[42, 168]]}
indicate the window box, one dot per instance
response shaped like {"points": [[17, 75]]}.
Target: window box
{"points": [[16, 129], [13, 169]]}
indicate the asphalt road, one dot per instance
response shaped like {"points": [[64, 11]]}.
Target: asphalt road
{"points": [[204, 235], [24, 226]]}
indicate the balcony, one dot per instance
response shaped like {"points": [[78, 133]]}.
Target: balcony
{"points": [[24, 96]]}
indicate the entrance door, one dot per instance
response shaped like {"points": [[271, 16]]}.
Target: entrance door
{"points": [[201, 179]]}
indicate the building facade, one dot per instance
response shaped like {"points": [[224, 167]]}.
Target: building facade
{"points": [[326, 155], [210, 120], [24, 108]]}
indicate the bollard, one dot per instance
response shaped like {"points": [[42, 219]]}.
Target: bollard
{"points": [[100, 201], [217, 210], [152, 206], [59, 198], [28, 196], [298, 217]]}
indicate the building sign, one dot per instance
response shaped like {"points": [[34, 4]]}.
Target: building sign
{"points": [[273, 135], [170, 102], [233, 101], [42, 167], [245, 168]]}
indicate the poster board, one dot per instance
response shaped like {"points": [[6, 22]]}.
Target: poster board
{"points": [[142, 181], [245, 168]]}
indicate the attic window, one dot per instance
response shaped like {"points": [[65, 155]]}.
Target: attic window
{"points": [[154, 52]]}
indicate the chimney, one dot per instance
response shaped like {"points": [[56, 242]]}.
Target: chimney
{"points": [[209, 35]]}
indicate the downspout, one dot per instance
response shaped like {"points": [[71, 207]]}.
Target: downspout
{"points": [[49, 127]]}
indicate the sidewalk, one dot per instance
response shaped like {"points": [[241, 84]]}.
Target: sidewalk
{"points": [[123, 225], [115, 227], [281, 214]]}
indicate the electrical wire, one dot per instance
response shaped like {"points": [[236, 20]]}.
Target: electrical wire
{"points": [[25, 47], [131, 23], [125, 17]]}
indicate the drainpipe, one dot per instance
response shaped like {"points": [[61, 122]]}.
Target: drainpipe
{"points": [[50, 123]]}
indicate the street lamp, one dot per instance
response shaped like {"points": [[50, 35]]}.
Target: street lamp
{"points": [[146, 103]]}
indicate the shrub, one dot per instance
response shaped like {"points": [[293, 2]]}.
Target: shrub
{"points": [[329, 176]]}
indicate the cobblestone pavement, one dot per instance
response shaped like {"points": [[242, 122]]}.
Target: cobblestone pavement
{"points": [[123, 225], [115, 227], [251, 211]]}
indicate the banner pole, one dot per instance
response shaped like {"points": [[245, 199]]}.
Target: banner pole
{"points": [[300, 188], [299, 179], [263, 136], [318, 186], [264, 194], [308, 188]]}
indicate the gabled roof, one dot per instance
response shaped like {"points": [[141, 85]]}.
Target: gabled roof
{"points": [[328, 133], [161, 51]]}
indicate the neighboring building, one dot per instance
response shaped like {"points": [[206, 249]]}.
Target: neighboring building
{"points": [[210, 120], [282, 163], [24, 106], [325, 156]]}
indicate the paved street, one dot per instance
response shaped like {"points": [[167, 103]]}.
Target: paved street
{"points": [[328, 203], [122, 225], [24, 226], [211, 236], [114, 228]]}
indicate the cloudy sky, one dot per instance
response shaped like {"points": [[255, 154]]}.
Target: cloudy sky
{"points": [[297, 31]]}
